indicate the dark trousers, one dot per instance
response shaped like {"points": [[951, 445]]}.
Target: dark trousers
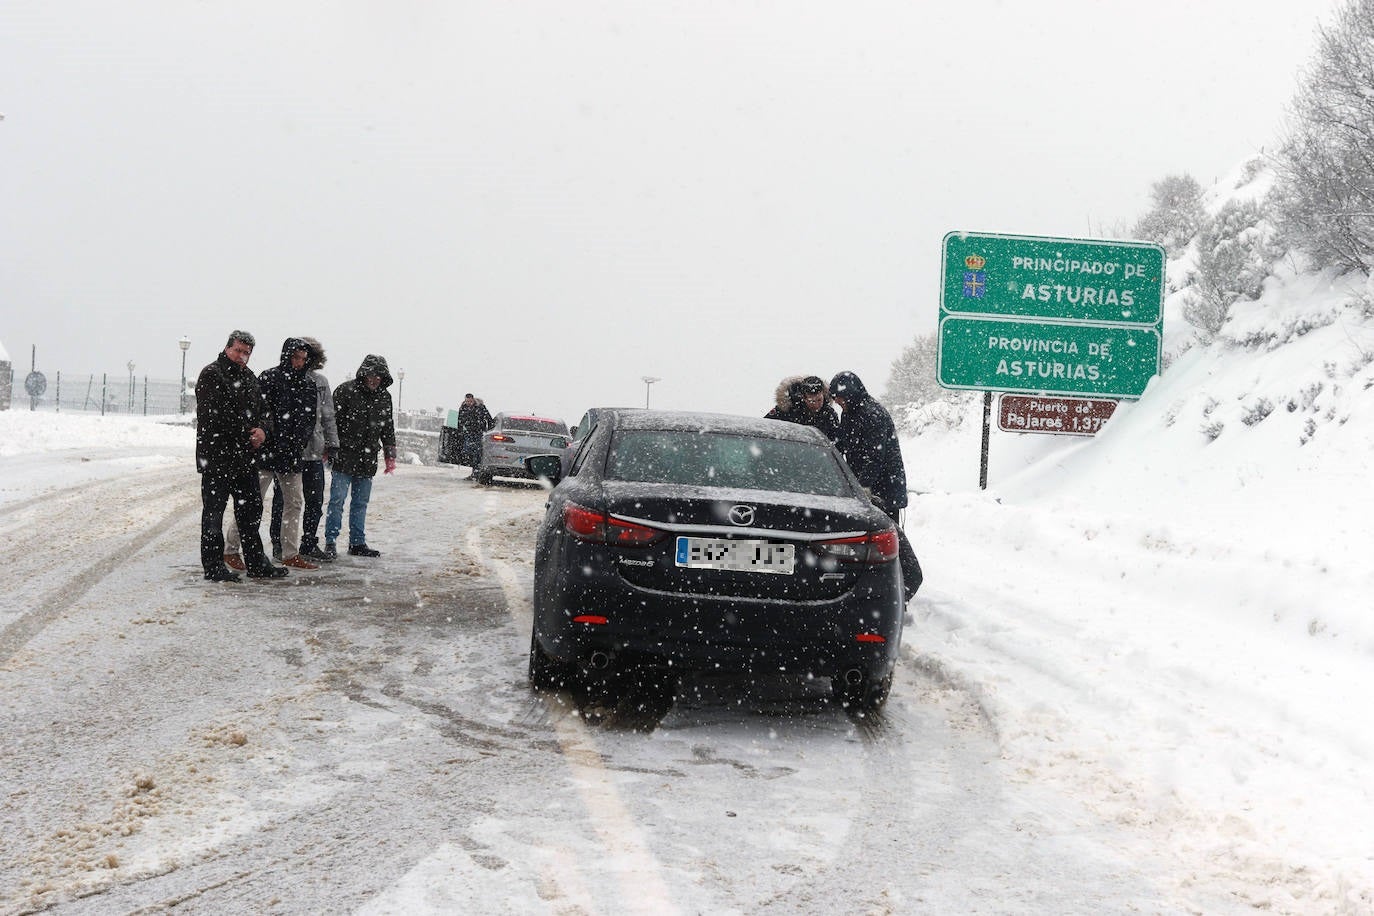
{"points": [[215, 488], [912, 577], [312, 482]]}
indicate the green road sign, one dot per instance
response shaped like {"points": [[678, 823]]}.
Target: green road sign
{"points": [[1066, 279], [1068, 358]]}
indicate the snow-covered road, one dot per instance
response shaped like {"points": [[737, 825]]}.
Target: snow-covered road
{"points": [[362, 739]]}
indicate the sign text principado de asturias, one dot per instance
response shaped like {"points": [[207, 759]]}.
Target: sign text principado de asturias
{"points": [[1052, 316]]}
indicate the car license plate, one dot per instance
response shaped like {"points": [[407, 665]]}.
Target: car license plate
{"points": [[743, 556]]}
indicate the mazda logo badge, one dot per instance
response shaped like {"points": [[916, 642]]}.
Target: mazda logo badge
{"points": [[742, 515]]}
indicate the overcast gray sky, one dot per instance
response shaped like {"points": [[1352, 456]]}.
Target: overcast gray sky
{"points": [[541, 202]]}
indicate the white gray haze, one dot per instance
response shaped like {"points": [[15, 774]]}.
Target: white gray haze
{"points": [[542, 202]]}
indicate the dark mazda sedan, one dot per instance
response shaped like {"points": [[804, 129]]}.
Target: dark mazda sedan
{"points": [[688, 542]]}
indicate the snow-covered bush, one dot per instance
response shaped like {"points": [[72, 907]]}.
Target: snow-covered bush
{"points": [[948, 411], [1236, 251]]}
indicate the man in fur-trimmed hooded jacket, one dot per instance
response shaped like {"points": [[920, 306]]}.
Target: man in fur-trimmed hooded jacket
{"points": [[324, 442], [805, 399], [289, 400], [362, 412]]}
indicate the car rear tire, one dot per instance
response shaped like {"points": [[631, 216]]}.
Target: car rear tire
{"points": [[547, 672], [482, 477]]}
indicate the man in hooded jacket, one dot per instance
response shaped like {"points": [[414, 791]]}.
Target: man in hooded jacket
{"points": [[362, 412], [806, 401], [324, 441], [868, 440], [289, 399]]}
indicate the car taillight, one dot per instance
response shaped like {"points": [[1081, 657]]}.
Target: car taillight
{"points": [[874, 547], [500, 437], [599, 528]]}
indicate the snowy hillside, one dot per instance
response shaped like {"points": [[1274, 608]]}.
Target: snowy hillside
{"points": [[1176, 616]]}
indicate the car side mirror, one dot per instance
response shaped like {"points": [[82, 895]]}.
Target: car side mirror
{"points": [[546, 467]]}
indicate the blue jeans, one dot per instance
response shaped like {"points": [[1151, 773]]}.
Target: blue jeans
{"points": [[339, 485]]}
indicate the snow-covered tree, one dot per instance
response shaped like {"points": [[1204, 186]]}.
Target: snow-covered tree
{"points": [[1324, 198], [912, 378], [1176, 216]]}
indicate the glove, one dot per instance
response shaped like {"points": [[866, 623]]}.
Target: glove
{"points": [[390, 466]]}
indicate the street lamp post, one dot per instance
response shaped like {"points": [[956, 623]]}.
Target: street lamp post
{"points": [[185, 344], [648, 380], [400, 388], [131, 386]]}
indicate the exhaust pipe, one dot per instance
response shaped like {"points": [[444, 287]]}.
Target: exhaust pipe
{"points": [[853, 677], [599, 661]]}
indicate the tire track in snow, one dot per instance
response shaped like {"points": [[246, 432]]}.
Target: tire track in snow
{"points": [[67, 534], [643, 889]]}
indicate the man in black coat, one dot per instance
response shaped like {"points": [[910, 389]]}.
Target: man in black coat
{"points": [[868, 440], [289, 399], [230, 429], [804, 400], [362, 412], [473, 420]]}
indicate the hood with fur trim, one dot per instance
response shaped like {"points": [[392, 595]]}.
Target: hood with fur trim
{"points": [[789, 395]]}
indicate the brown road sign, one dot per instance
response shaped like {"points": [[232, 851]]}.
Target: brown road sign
{"points": [[1059, 416]]}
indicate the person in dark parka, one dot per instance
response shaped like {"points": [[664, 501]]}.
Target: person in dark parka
{"points": [[806, 401], [868, 440], [289, 398], [324, 441], [230, 429], [473, 420], [363, 415]]}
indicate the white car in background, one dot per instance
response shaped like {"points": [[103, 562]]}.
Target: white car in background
{"points": [[514, 438]]}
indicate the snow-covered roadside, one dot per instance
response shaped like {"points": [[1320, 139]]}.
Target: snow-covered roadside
{"points": [[1174, 619], [44, 452], [25, 431]]}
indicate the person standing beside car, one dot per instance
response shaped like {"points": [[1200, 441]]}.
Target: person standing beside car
{"points": [[867, 438], [363, 414], [473, 420], [231, 427], [806, 401]]}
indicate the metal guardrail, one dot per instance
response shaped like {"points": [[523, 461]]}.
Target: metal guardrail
{"points": [[102, 394]]}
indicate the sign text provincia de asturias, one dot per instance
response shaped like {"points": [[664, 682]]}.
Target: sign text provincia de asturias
{"points": [[1052, 316]]}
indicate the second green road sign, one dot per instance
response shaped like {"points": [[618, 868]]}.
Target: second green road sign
{"points": [[1055, 316]]}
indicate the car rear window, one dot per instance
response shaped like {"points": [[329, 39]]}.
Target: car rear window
{"points": [[723, 460], [536, 425]]}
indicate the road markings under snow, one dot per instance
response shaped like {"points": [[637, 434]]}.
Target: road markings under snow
{"points": [[641, 882]]}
